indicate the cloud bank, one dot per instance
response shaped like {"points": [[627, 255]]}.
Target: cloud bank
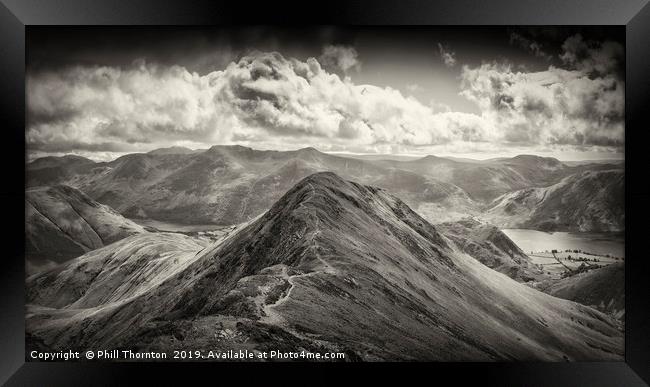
{"points": [[582, 105], [266, 100]]}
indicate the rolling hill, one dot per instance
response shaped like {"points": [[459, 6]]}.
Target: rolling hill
{"points": [[586, 201], [491, 247], [52, 170], [62, 223], [332, 266], [602, 288], [119, 271]]}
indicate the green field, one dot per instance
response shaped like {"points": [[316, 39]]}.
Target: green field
{"points": [[558, 263]]}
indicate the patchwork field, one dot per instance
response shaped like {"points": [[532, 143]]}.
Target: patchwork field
{"points": [[560, 263]]}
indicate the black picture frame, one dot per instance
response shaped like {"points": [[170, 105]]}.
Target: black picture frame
{"points": [[17, 15]]}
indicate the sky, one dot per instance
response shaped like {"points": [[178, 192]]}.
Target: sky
{"points": [[477, 92]]}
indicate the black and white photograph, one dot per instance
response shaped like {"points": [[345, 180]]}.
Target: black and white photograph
{"points": [[266, 193]]}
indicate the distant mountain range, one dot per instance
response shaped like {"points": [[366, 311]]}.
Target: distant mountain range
{"points": [[227, 185], [332, 265]]}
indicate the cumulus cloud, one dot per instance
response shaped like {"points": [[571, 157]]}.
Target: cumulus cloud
{"points": [[266, 100], [555, 106], [448, 57], [339, 58], [264, 97], [83, 107], [581, 105]]}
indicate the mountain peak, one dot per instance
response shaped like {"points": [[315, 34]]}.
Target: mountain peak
{"points": [[324, 198], [432, 159], [308, 152], [321, 223], [323, 179], [237, 148], [329, 190], [537, 159], [51, 161], [173, 150], [316, 189]]}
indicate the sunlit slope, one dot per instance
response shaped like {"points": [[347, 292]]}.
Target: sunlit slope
{"points": [[333, 264], [62, 223]]}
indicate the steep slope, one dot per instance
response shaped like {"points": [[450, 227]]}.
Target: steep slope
{"points": [[62, 223], [120, 271], [332, 265], [492, 248], [602, 288], [586, 201]]}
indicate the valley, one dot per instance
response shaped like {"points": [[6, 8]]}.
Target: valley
{"points": [[331, 265], [379, 259], [377, 193], [562, 253]]}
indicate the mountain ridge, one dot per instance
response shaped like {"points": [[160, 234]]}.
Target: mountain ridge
{"points": [[334, 264]]}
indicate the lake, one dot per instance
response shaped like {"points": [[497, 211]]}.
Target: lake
{"points": [[597, 243]]}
